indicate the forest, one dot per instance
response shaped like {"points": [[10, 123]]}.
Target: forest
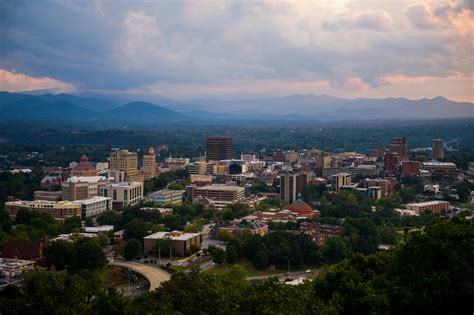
{"points": [[428, 272]]}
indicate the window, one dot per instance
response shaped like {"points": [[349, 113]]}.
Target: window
{"points": [[115, 194], [125, 195]]}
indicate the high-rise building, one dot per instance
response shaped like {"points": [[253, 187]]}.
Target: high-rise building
{"points": [[126, 162], [339, 180], [149, 168], [438, 149], [390, 162], [218, 148], [400, 146], [292, 184], [82, 187]]}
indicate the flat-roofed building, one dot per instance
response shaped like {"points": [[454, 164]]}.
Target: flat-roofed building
{"points": [[94, 206], [438, 149], [60, 210], [364, 170], [102, 229], [126, 162], [218, 148], [12, 268], [220, 195], [387, 184], [123, 194], [82, 187], [48, 195], [253, 227], [167, 196], [197, 168], [180, 241], [434, 206], [340, 179], [410, 168], [291, 185], [436, 168], [149, 167]]}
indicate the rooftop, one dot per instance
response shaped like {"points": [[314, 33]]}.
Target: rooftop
{"points": [[97, 229], [175, 236], [221, 187]]}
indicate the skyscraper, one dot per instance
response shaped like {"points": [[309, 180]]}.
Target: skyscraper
{"points": [[126, 162], [149, 168], [438, 149], [218, 148], [400, 146], [292, 184]]}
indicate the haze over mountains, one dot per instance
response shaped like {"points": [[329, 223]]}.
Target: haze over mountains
{"points": [[113, 110]]}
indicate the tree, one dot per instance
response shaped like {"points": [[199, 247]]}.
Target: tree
{"points": [[132, 249], [260, 260], [61, 254], [163, 246], [336, 249], [218, 256], [388, 235], [89, 222], [108, 218], [138, 229], [362, 234], [89, 254], [407, 195], [72, 224], [231, 255]]}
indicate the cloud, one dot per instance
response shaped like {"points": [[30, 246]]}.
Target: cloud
{"points": [[17, 82], [376, 20], [125, 45]]}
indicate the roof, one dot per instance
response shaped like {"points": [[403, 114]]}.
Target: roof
{"points": [[93, 199], [301, 208], [175, 236], [88, 179], [97, 229], [221, 187], [22, 250]]}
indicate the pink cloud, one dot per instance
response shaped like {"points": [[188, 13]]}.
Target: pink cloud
{"points": [[16, 82]]}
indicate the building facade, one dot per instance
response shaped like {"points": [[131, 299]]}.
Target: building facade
{"points": [[123, 194], [167, 196], [438, 149], [149, 167], [126, 162], [218, 148], [180, 241], [291, 185]]}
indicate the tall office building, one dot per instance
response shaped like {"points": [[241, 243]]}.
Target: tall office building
{"points": [[292, 184], [340, 179], [149, 167], [400, 146], [438, 149], [126, 162], [218, 148]]}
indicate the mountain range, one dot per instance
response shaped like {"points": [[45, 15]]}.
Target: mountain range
{"points": [[119, 111]]}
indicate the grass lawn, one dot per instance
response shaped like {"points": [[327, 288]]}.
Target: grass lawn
{"points": [[252, 272]]}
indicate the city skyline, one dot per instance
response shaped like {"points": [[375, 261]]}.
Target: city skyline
{"points": [[231, 50]]}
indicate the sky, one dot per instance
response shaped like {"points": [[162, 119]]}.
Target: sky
{"points": [[240, 49]]}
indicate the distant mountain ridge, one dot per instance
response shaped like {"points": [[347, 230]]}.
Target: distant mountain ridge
{"points": [[93, 108]]}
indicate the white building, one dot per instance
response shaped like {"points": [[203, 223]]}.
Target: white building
{"points": [[11, 268], [94, 206], [166, 196], [123, 194]]}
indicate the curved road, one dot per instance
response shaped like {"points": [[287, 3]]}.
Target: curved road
{"points": [[155, 276]]}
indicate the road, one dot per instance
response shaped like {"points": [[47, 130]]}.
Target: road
{"points": [[155, 276]]}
